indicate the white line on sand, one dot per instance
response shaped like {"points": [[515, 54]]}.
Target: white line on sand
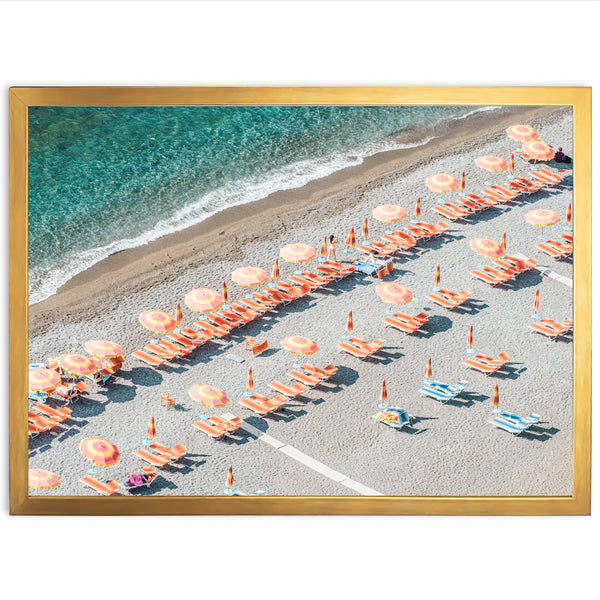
{"points": [[548, 273], [306, 460]]}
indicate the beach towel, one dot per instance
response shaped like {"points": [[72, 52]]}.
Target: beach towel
{"points": [[135, 480]]}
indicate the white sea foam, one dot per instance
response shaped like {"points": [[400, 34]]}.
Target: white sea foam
{"points": [[44, 281]]}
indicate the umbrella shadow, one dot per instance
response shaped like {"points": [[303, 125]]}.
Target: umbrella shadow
{"points": [[143, 376], [528, 279], [467, 399], [508, 372], [471, 307], [384, 357], [118, 392], [435, 324], [344, 377]]}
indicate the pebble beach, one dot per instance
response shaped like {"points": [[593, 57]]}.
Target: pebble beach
{"points": [[449, 450]]}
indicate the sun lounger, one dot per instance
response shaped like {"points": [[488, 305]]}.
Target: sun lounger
{"points": [[316, 278], [454, 390], [461, 296], [566, 325], [261, 405], [435, 230], [232, 318], [299, 280], [504, 275], [106, 489], [178, 351], [185, 341], [562, 173], [529, 184], [153, 361], [400, 243], [383, 249], [175, 453], [437, 393], [447, 213], [193, 335], [544, 179], [325, 373], [371, 347], [489, 202], [212, 330], [290, 392], [278, 401], [293, 290], [332, 272], [266, 300], [253, 305], [60, 415], [401, 324], [521, 265], [153, 459], [494, 196], [279, 296], [394, 417], [346, 269], [568, 248], [482, 367], [409, 240], [379, 254], [465, 212], [551, 251], [244, 310], [71, 391], [518, 187], [353, 350], [305, 379], [547, 330], [512, 423], [487, 277], [222, 322], [474, 207], [507, 195], [421, 318], [42, 423], [150, 474], [213, 431], [160, 352], [502, 359], [443, 301]]}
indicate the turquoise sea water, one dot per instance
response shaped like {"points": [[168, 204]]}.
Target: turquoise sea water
{"points": [[106, 179]]}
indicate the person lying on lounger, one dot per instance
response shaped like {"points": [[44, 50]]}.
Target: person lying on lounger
{"points": [[137, 479]]}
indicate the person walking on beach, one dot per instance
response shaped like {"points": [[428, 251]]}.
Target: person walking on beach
{"points": [[331, 250]]}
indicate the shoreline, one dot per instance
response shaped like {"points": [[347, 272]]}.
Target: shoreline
{"points": [[163, 259]]}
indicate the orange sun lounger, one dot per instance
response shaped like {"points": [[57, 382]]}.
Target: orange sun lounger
{"points": [[346, 269], [471, 205], [60, 415], [547, 330], [174, 453], [401, 324], [562, 173], [443, 301], [316, 278], [448, 213], [325, 373], [153, 361], [212, 330], [489, 202], [305, 379], [552, 251], [507, 195], [290, 392], [371, 347], [502, 359], [178, 351], [259, 407], [566, 325], [266, 300], [487, 277], [255, 306], [106, 489], [482, 367], [353, 350], [186, 342], [435, 230], [153, 459], [213, 431]]}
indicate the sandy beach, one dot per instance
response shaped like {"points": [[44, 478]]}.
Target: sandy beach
{"points": [[450, 450]]}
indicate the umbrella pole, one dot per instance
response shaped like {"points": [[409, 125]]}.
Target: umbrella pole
{"points": [[541, 237]]}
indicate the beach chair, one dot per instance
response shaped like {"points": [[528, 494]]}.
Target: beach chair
{"points": [[336, 274], [457, 209], [521, 265], [544, 179], [552, 251], [178, 351], [316, 278], [259, 407], [435, 230], [153, 361], [279, 296], [529, 184], [370, 347], [380, 254], [474, 207], [493, 281], [443, 301], [257, 348], [277, 402], [257, 307], [71, 391], [518, 187], [398, 242], [489, 202], [153, 459], [504, 275], [447, 213], [290, 392], [568, 248], [193, 335], [299, 280], [409, 240], [60, 415], [502, 359], [383, 249], [232, 319], [42, 423], [166, 400], [507, 195], [401, 324], [246, 312], [292, 290], [512, 423], [345, 269], [565, 326], [212, 330], [185, 341], [160, 352], [266, 300], [149, 472], [454, 390], [482, 367], [34, 430], [354, 351], [174, 453], [213, 431], [568, 237], [437, 393], [494, 196], [561, 173], [325, 373], [547, 330], [460, 297], [396, 418], [106, 489], [305, 379], [221, 322]]}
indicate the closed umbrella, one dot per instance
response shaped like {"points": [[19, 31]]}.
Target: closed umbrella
{"points": [[350, 241], [542, 217], [503, 243], [568, 218], [383, 396], [249, 383], [40, 479], [417, 211], [323, 250], [536, 305], [428, 371], [178, 314], [229, 482], [99, 451], [349, 326], [462, 182], [496, 399], [436, 279], [275, 269], [365, 228], [470, 341], [150, 432], [511, 166], [224, 295]]}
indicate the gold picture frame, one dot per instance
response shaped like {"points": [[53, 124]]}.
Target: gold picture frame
{"points": [[20, 99]]}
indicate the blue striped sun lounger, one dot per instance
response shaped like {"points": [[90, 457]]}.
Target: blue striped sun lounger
{"points": [[454, 389], [437, 393], [514, 424]]}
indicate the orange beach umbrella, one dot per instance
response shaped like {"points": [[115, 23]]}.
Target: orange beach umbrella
{"points": [[538, 150], [486, 247], [158, 321], [521, 133], [100, 451], [77, 364], [297, 253], [365, 228], [393, 292], [40, 479], [275, 269], [43, 380], [442, 183], [389, 213], [249, 276], [298, 344], [491, 163], [208, 395], [203, 300], [103, 349], [542, 217], [351, 239]]}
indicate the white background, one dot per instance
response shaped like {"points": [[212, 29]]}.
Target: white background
{"points": [[294, 43]]}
